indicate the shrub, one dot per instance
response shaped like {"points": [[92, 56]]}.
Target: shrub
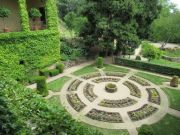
{"points": [[44, 72], [150, 52], [99, 62], [53, 72], [4, 12], [174, 81], [148, 66], [34, 13], [41, 85], [138, 57], [145, 130], [60, 67]]}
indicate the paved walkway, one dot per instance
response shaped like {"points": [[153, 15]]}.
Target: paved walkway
{"points": [[122, 93]]}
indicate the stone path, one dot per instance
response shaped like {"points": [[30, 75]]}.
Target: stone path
{"points": [[122, 92]]}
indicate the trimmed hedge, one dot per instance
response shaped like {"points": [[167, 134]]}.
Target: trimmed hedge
{"points": [[60, 67], [41, 85], [44, 72], [53, 72], [148, 66], [99, 62]]}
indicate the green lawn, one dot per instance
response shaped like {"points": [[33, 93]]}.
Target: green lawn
{"points": [[115, 69], [153, 78], [174, 97], [57, 85], [165, 63], [109, 131], [173, 53], [86, 70], [169, 125], [55, 100]]}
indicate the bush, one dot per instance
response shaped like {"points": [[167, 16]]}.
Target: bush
{"points": [[53, 72], [99, 62], [148, 66], [60, 67], [41, 85], [4, 12], [138, 57], [44, 72], [34, 13], [150, 52], [145, 130], [174, 81]]}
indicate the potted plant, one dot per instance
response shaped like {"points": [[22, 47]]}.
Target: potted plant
{"points": [[35, 15], [4, 13]]}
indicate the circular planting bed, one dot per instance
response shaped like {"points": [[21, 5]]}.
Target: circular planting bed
{"points": [[111, 88], [110, 99]]}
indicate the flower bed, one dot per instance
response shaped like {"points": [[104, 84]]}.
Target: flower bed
{"points": [[75, 102], [111, 117], [99, 80], [134, 90], [117, 103], [154, 96], [116, 74], [142, 113], [88, 92], [140, 81], [111, 88], [74, 85], [89, 76]]}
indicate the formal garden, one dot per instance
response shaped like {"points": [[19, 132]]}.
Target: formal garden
{"points": [[85, 67]]}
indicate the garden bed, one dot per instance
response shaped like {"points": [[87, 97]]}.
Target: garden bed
{"points": [[74, 85], [117, 103], [139, 81], [89, 76], [75, 102], [116, 74], [154, 96], [106, 79], [142, 113], [88, 92], [134, 90], [111, 117]]}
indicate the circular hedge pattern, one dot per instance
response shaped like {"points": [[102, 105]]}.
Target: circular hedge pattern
{"points": [[113, 99]]}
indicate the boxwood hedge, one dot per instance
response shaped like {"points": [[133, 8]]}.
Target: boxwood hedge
{"points": [[148, 66]]}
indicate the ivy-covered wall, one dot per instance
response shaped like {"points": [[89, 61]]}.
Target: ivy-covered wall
{"points": [[34, 49]]}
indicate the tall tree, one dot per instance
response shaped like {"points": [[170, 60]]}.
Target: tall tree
{"points": [[148, 11], [110, 20]]}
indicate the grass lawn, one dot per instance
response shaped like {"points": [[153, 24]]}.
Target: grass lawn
{"points": [[153, 78], [109, 131], [174, 97], [55, 100], [115, 69], [169, 125], [173, 53], [57, 85], [86, 70], [165, 63]]}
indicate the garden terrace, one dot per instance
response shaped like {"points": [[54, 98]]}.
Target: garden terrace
{"points": [[88, 92], [105, 116], [134, 90], [142, 113], [154, 96], [140, 81], [118, 103], [74, 85], [75, 102], [107, 79]]}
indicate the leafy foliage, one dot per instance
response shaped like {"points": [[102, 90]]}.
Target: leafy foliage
{"points": [[41, 85], [34, 13], [35, 113], [60, 67], [4, 12], [99, 62], [150, 52], [145, 130]]}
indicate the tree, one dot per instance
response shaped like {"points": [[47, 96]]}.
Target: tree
{"points": [[148, 11], [110, 20]]}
